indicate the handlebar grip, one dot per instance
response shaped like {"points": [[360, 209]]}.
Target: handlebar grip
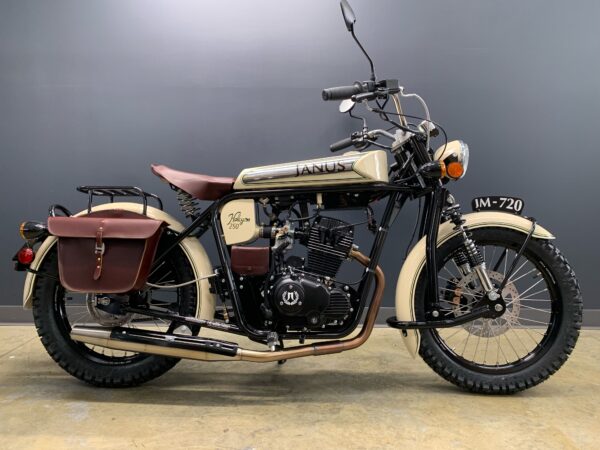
{"points": [[340, 145], [342, 92]]}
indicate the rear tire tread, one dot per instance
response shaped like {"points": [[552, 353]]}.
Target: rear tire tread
{"points": [[117, 376]]}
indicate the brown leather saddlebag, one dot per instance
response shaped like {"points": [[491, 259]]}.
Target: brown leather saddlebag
{"points": [[108, 252]]}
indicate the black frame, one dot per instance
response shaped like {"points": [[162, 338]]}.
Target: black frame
{"points": [[397, 197], [397, 191]]}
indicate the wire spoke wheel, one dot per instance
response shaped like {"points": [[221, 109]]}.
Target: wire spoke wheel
{"points": [[529, 341], [57, 311], [532, 309]]}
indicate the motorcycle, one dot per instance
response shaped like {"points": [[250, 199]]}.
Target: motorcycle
{"points": [[121, 290]]}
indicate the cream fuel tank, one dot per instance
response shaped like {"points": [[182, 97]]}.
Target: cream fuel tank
{"points": [[349, 168], [238, 217]]}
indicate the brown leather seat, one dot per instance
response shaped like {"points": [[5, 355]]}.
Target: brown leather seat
{"points": [[202, 187]]}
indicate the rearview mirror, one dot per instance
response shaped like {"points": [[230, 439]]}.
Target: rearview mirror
{"points": [[346, 105], [348, 14]]}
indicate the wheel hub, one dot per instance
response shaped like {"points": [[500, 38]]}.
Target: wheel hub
{"points": [[468, 292], [103, 316]]}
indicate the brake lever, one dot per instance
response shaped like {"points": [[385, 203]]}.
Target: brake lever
{"points": [[365, 96]]}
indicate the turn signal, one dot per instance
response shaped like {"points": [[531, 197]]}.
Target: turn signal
{"points": [[455, 170], [25, 256], [33, 230]]}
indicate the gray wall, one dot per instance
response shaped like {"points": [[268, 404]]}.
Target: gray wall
{"points": [[93, 92]]}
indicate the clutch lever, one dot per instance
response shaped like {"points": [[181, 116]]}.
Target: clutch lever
{"points": [[362, 139]]}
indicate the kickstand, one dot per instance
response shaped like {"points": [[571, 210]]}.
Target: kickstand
{"points": [[281, 361]]}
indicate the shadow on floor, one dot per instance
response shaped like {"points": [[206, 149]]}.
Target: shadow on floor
{"points": [[231, 387]]}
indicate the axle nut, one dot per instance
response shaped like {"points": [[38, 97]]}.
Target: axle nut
{"points": [[493, 295]]}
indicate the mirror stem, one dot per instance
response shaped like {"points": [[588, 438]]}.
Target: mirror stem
{"points": [[366, 54]]}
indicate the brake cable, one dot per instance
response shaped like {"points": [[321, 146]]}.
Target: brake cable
{"points": [[376, 110], [186, 283]]}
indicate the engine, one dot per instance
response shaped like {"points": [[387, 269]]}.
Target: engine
{"points": [[329, 242], [307, 293]]}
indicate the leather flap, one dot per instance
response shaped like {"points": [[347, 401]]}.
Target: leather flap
{"points": [[250, 260], [115, 228]]}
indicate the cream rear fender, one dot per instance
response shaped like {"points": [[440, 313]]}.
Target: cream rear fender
{"points": [[415, 262], [191, 246]]}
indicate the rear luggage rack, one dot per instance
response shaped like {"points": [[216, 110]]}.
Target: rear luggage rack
{"points": [[118, 191]]}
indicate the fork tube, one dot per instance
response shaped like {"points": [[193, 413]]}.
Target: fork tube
{"points": [[433, 222]]}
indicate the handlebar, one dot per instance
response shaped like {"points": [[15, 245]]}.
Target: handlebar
{"points": [[340, 145], [379, 89], [345, 92]]}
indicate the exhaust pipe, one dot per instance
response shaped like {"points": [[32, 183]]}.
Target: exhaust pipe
{"points": [[203, 349], [156, 343]]}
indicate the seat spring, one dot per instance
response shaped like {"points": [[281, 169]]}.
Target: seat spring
{"points": [[188, 204]]}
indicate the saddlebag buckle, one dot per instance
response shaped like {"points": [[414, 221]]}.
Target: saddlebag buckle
{"points": [[99, 249]]}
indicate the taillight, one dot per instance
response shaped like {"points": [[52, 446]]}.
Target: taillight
{"points": [[25, 256]]}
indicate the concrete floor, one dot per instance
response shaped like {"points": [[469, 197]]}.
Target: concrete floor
{"points": [[372, 397]]}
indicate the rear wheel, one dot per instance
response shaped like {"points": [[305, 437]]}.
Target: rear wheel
{"points": [[56, 311], [524, 346]]}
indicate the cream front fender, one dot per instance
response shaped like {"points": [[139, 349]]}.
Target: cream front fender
{"points": [[415, 262], [191, 246]]}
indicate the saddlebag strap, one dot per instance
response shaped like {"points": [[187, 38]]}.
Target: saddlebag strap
{"points": [[99, 253]]}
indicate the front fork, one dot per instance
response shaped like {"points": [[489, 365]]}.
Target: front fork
{"points": [[470, 259]]}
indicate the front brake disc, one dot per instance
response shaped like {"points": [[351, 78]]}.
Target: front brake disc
{"points": [[468, 291]]}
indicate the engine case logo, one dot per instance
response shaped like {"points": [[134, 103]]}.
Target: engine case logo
{"points": [[290, 298]]}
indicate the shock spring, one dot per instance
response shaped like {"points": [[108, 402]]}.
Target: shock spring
{"points": [[471, 253], [188, 204]]}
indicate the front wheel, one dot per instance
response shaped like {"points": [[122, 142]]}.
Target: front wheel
{"points": [[529, 342]]}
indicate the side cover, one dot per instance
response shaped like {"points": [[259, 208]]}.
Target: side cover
{"points": [[349, 168], [238, 219], [191, 246], [415, 262]]}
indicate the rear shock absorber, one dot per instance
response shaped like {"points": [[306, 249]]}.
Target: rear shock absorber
{"points": [[188, 204], [470, 257]]}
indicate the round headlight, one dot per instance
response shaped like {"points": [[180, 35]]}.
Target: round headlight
{"points": [[465, 153], [455, 156]]}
